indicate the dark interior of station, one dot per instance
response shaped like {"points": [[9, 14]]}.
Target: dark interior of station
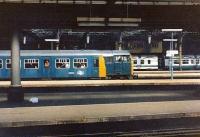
{"points": [[41, 21]]}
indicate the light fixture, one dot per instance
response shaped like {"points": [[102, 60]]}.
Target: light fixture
{"points": [[149, 39], [52, 40], [123, 24], [84, 24], [90, 19], [171, 30], [173, 40], [24, 40], [166, 2], [76, 2], [100, 21], [124, 20], [88, 39]]}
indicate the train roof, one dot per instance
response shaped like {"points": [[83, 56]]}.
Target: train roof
{"points": [[67, 52], [183, 56]]}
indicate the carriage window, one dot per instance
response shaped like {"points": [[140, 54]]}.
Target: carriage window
{"points": [[62, 63], [176, 61], [96, 62], [8, 63], [142, 61], [197, 61], [149, 61], [1, 63], [80, 63], [185, 61], [192, 61], [31, 63], [135, 61]]}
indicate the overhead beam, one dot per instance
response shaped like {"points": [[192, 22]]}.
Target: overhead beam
{"points": [[109, 2], [57, 1], [65, 16], [158, 2]]}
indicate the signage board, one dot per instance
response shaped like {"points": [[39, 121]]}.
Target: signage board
{"points": [[170, 53]]}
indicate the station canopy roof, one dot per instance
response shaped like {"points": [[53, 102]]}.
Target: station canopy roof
{"points": [[99, 14], [104, 2]]}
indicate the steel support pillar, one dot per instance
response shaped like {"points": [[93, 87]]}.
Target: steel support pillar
{"points": [[52, 45], [180, 52], [15, 61], [15, 93]]}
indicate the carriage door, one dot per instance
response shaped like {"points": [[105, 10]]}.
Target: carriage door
{"points": [[118, 64], [95, 70], [46, 67]]}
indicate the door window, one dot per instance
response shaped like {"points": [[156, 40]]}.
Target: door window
{"points": [[46, 63], [96, 62]]}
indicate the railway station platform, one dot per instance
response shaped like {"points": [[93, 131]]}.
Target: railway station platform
{"points": [[73, 114], [166, 74], [96, 83]]}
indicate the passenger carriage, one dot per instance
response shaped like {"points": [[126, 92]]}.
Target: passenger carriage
{"points": [[64, 64], [148, 62], [198, 62], [188, 63]]}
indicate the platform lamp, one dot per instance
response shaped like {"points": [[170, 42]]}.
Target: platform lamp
{"points": [[171, 52], [52, 41]]}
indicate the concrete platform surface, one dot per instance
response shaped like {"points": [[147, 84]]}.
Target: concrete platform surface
{"points": [[73, 83], [166, 74], [165, 71], [53, 115]]}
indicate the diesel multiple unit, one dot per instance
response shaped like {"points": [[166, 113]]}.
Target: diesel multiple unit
{"points": [[72, 64]]}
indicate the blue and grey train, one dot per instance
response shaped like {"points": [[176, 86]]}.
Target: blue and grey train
{"points": [[189, 62], [68, 64], [152, 62]]}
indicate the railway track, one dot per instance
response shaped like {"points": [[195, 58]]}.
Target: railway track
{"points": [[165, 127]]}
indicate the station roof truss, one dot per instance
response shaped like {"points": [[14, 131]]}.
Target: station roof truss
{"points": [[104, 2], [100, 14]]}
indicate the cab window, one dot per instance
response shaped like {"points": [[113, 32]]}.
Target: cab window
{"points": [[122, 58], [118, 59]]}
